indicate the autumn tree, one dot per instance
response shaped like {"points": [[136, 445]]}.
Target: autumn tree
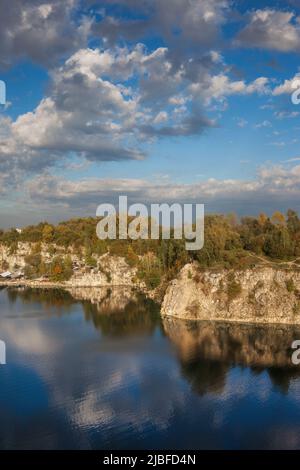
{"points": [[278, 218]]}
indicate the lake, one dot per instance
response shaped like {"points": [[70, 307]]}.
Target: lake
{"points": [[99, 369]]}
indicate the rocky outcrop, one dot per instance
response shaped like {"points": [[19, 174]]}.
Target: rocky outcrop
{"points": [[114, 271], [14, 259], [110, 270], [261, 295]]}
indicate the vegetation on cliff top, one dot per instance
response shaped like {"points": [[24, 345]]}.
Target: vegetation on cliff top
{"points": [[229, 243]]}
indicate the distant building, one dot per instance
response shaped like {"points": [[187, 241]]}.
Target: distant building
{"points": [[6, 275]]}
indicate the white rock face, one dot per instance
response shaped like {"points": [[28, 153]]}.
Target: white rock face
{"points": [[115, 272], [261, 295], [16, 259], [111, 271]]}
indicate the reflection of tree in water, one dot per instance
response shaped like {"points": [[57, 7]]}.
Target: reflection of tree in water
{"points": [[207, 350], [59, 299], [139, 315], [113, 311], [205, 376], [281, 377]]}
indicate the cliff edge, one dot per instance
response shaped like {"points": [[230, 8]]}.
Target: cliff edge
{"points": [[260, 295]]}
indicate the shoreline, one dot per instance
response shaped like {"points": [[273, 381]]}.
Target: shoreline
{"points": [[58, 285], [230, 320], [62, 285], [170, 304]]}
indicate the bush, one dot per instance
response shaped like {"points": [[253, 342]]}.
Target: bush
{"points": [[131, 258], [290, 285], [61, 269], [234, 289], [106, 273], [33, 260], [152, 278], [296, 308], [33, 265], [4, 265], [91, 261], [150, 271]]}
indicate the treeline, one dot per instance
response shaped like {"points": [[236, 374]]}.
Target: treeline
{"points": [[229, 242]]}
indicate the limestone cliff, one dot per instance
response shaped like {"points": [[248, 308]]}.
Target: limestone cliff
{"points": [[113, 271], [110, 270], [260, 295]]}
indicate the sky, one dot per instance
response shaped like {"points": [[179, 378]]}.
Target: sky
{"points": [[163, 101]]}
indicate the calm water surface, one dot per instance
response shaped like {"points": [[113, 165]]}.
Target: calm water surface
{"points": [[99, 369]]}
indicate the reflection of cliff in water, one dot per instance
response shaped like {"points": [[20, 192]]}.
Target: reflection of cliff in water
{"points": [[114, 311], [119, 312], [207, 351]]}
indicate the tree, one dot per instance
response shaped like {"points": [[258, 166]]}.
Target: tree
{"points": [[232, 219], [293, 222], [262, 219], [278, 218], [278, 243], [47, 233], [61, 269]]}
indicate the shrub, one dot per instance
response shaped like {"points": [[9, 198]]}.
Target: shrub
{"points": [[61, 269], [234, 289], [91, 261], [105, 272], [296, 308], [290, 285], [131, 258], [4, 265], [150, 271], [33, 265]]}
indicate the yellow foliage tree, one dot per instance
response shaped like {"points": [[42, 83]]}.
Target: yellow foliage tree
{"points": [[278, 218]]}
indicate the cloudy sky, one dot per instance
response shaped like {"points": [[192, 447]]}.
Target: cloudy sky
{"points": [[173, 100]]}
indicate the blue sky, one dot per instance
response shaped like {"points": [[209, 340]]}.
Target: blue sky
{"points": [[181, 100]]}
